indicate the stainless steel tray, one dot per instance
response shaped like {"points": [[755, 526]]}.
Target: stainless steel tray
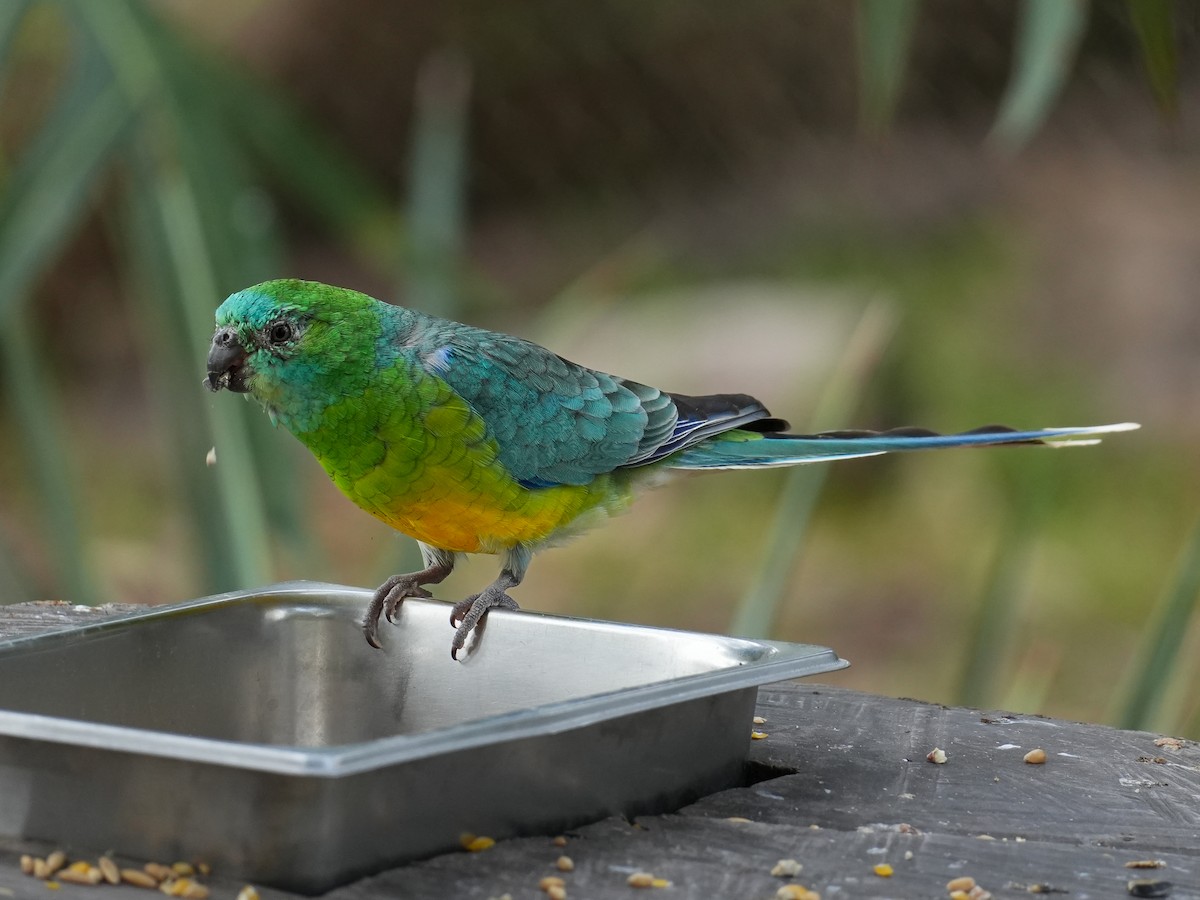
{"points": [[259, 732]]}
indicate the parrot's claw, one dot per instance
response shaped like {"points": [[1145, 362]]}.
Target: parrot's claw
{"points": [[387, 600], [471, 615]]}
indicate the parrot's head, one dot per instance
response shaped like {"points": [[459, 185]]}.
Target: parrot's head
{"points": [[287, 342]]}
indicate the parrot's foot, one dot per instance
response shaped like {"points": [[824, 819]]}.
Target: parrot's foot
{"points": [[395, 591], [471, 615]]}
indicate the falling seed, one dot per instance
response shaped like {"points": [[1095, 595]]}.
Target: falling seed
{"points": [[937, 756], [210, 458], [1036, 756]]}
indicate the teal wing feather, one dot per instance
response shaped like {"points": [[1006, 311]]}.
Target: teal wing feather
{"points": [[555, 422]]}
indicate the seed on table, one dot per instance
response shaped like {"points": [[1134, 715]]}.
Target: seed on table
{"points": [[564, 864], [109, 870], [138, 878], [1036, 756]]}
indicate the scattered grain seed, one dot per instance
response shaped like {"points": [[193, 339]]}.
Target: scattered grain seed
{"points": [[53, 885], [978, 893], [56, 861], [1148, 887], [786, 868], [883, 870], [39, 868], [183, 869], [26, 864], [184, 887], [908, 854], [475, 845], [564, 864], [796, 892], [204, 869], [963, 883], [1172, 743], [88, 875], [210, 458], [937, 756], [560, 841], [1145, 864], [739, 820], [80, 865], [640, 879], [558, 892], [157, 870], [1036, 756], [759, 720], [109, 870], [660, 883], [138, 878], [249, 892], [959, 895], [550, 881], [757, 735]]}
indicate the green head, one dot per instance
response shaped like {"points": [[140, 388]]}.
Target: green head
{"points": [[296, 346]]}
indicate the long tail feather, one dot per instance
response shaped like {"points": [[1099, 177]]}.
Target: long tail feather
{"points": [[739, 449]]}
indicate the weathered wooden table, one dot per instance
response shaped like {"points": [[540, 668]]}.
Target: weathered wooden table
{"points": [[841, 784]]}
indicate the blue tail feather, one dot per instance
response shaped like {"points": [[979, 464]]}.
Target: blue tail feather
{"points": [[739, 449]]}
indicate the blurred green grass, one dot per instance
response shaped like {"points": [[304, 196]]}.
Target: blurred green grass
{"points": [[1016, 576]]}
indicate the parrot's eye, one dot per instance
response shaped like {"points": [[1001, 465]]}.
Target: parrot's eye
{"points": [[281, 332]]}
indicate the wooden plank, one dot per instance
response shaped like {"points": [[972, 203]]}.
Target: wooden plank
{"points": [[32, 618], [840, 784]]}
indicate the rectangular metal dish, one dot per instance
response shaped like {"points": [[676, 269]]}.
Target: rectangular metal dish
{"points": [[259, 732]]}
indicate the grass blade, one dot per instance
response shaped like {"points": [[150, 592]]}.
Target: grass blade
{"points": [[49, 187], [1048, 38], [436, 185], [38, 421], [885, 29], [759, 608], [1153, 22], [1158, 655], [12, 13]]}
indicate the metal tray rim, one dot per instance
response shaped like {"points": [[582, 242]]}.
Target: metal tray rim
{"points": [[780, 662]]}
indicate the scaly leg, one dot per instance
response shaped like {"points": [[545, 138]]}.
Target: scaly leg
{"points": [[438, 564], [471, 614]]}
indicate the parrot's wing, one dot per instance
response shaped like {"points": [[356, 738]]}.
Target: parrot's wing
{"points": [[557, 422]]}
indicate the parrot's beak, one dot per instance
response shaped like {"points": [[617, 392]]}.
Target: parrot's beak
{"points": [[227, 363]]}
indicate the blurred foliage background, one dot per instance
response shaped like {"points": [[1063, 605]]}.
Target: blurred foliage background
{"points": [[944, 213]]}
